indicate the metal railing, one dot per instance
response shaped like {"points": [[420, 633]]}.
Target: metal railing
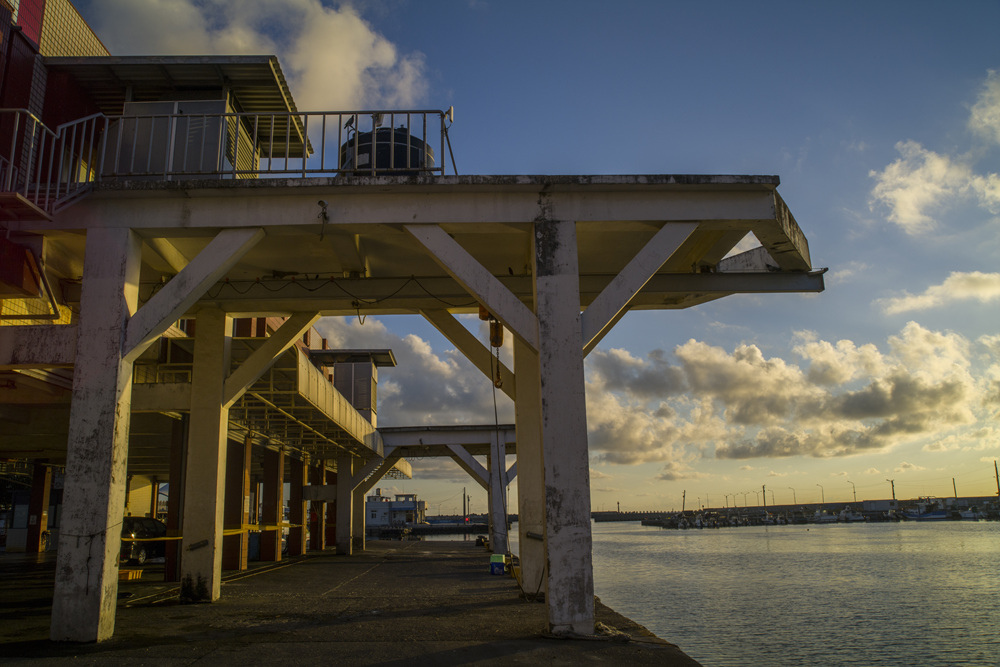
{"points": [[52, 168]]}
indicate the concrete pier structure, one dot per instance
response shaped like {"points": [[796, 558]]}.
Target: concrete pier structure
{"points": [[177, 290]]}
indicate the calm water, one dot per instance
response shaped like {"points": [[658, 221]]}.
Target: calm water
{"points": [[861, 594]]}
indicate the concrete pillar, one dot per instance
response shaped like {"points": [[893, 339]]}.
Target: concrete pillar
{"points": [[568, 542], [204, 476], [38, 508], [345, 496], [317, 510], [175, 497], [359, 520], [86, 583], [297, 511], [530, 477], [236, 546], [497, 494], [272, 505]]}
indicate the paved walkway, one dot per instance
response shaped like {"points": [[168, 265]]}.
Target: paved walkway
{"points": [[398, 603]]}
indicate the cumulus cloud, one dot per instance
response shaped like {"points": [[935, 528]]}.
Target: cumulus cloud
{"points": [[331, 56], [959, 286], [843, 399], [921, 184], [984, 117]]}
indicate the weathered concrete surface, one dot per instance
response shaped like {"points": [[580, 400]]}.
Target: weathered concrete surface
{"points": [[405, 603]]}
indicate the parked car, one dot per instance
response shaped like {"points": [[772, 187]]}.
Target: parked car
{"points": [[142, 528]]}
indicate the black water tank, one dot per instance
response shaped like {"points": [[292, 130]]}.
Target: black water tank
{"points": [[390, 151]]}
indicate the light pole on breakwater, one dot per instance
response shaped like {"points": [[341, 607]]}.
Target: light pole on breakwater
{"points": [[855, 489], [822, 493], [893, 482], [794, 501]]}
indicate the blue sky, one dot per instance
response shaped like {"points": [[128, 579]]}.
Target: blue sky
{"points": [[883, 122]]}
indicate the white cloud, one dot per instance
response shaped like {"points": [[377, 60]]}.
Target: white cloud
{"points": [[846, 399], [332, 57], [959, 286], [984, 118], [919, 184], [905, 467]]}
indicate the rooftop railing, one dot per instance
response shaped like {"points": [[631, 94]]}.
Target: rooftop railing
{"points": [[51, 168]]}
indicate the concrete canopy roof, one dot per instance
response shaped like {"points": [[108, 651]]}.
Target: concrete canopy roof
{"points": [[362, 260]]}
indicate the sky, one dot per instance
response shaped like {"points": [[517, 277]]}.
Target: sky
{"points": [[883, 122]]}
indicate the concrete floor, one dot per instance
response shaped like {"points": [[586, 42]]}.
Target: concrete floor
{"points": [[405, 603]]}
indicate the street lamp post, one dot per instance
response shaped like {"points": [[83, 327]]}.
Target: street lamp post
{"points": [[893, 482], [794, 501], [855, 489], [822, 493]]}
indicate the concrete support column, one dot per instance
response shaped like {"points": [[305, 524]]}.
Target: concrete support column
{"points": [[272, 505], [530, 466], [317, 510], [236, 546], [345, 496], [568, 542], [204, 476], [297, 511], [359, 520], [86, 584], [38, 508], [497, 494]]}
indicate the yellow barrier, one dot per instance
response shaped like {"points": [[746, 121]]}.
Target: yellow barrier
{"points": [[247, 528]]}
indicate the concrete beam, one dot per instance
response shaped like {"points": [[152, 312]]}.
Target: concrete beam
{"points": [[187, 287], [612, 303], [479, 282], [477, 353], [455, 201], [43, 346], [783, 238]]}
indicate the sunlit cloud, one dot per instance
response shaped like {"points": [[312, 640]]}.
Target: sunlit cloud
{"points": [[843, 399], [920, 186], [916, 187], [332, 57], [905, 467], [973, 286]]}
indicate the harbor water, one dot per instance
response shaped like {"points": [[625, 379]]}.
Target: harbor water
{"points": [[836, 594]]}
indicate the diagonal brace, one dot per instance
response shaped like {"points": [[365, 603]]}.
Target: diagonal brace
{"points": [[612, 303], [469, 464], [479, 282], [184, 289], [469, 345]]}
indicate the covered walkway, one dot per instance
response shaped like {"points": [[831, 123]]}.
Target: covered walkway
{"points": [[394, 603]]}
